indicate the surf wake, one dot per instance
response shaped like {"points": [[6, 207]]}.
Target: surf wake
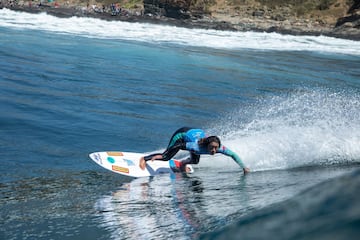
{"points": [[298, 129]]}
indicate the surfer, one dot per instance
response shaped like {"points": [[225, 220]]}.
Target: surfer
{"points": [[196, 142]]}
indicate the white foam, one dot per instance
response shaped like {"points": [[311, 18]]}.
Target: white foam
{"points": [[160, 34], [315, 127]]}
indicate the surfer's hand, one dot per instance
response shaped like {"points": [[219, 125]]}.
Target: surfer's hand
{"points": [[142, 164], [246, 170]]}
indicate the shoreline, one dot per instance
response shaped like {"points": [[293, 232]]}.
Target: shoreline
{"points": [[219, 22]]}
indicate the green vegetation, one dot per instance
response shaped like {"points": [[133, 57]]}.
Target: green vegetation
{"points": [[133, 4]]}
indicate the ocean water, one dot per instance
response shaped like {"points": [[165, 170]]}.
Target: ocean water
{"points": [[288, 105]]}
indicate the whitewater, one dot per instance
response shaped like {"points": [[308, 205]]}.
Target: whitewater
{"points": [[162, 34]]}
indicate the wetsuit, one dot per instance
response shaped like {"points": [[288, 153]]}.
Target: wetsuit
{"points": [[187, 139]]}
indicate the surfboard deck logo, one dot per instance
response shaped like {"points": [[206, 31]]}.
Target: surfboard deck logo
{"points": [[119, 169]]}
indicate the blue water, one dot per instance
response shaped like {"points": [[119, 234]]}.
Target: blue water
{"points": [[289, 106]]}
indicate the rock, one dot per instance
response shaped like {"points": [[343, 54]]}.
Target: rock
{"points": [[258, 13], [177, 9], [279, 17], [347, 25], [350, 18]]}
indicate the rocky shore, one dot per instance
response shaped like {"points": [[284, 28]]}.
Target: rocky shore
{"points": [[347, 27]]}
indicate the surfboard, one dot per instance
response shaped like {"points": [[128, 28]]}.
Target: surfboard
{"points": [[127, 163]]}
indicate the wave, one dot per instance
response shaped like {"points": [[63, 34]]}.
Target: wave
{"points": [[329, 210], [162, 34], [307, 127]]}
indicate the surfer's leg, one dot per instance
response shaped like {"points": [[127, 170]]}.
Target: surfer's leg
{"points": [[167, 154], [195, 158], [171, 151], [180, 130], [177, 136], [149, 157]]}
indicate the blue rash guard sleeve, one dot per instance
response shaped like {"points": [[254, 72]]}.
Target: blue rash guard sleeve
{"points": [[194, 148], [224, 150]]}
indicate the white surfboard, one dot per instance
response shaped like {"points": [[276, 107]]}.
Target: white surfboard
{"points": [[127, 163]]}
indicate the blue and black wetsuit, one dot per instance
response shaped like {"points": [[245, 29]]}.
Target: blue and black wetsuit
{"points": [[188, 139], [178, 142]]}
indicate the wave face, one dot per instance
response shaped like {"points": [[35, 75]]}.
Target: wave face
{"points": [[161, 34], [329, 210]]}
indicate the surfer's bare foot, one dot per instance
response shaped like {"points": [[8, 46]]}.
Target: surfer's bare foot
{"points": [[142, 164]]}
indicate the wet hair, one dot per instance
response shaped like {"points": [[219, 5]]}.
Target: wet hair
{"points": [[211, 139]]}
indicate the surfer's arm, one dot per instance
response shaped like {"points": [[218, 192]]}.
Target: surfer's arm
{"points": [[224, 150]]}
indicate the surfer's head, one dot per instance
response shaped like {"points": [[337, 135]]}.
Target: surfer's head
{"points": [[213, 144]]}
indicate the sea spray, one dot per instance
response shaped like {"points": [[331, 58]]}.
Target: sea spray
{"points": [[307, 127]]}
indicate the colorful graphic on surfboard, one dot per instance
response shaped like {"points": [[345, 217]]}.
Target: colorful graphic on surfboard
{"points": [[127, 163]]}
